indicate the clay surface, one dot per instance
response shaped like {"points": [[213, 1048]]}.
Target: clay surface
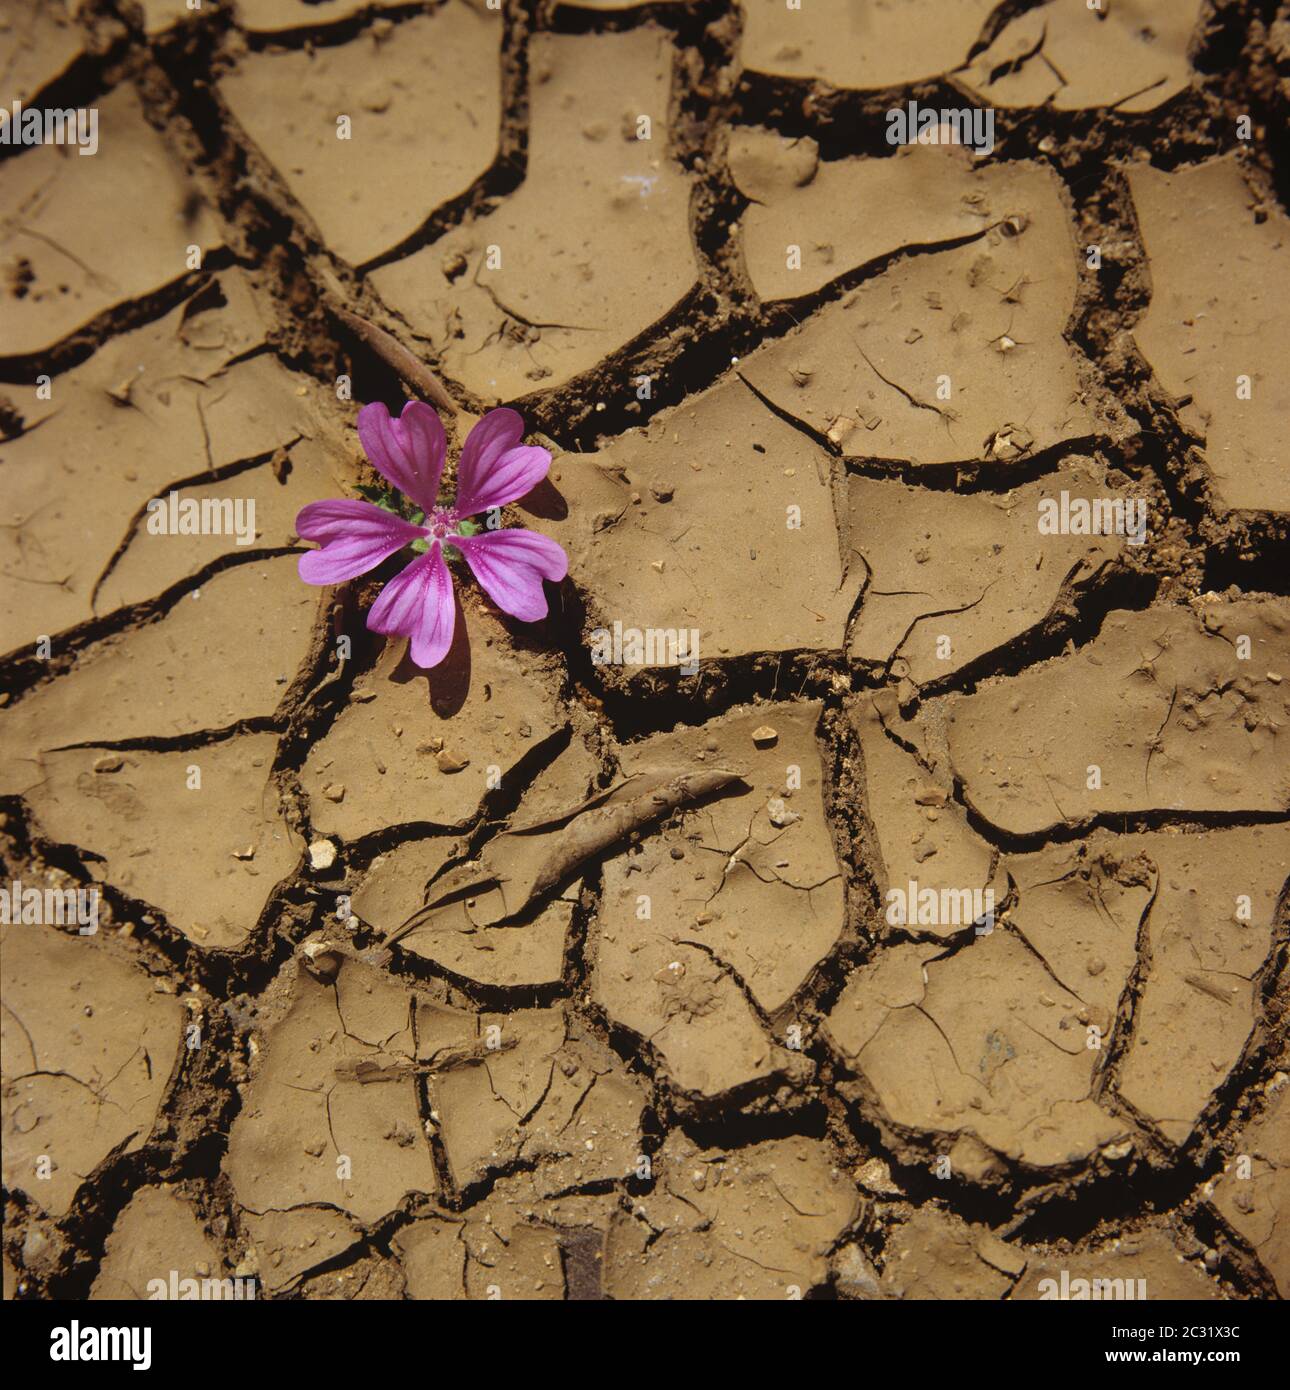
{"points": [[869, 881]]}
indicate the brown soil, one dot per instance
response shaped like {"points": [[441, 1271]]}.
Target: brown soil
{"points": [[531, 977]]}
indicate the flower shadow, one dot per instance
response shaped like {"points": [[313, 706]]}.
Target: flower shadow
{"points": [[545, 500], [448, 684]]}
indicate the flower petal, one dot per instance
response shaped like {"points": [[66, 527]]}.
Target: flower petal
{"points": [[356, 537], [408, 452], [511, 565], [495, 469], [418, 604]]}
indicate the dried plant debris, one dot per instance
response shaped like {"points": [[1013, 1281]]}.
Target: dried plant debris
{"points": [[714, 924], [869, 880]]}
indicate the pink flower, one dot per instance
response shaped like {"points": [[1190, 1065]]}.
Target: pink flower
{"points": [[409, 452]]}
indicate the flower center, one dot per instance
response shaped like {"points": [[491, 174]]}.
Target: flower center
{"points": [[440, 523]]}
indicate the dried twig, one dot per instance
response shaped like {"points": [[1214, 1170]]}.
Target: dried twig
{"points": [[532, 864], [392, 352], [366, 1070]]}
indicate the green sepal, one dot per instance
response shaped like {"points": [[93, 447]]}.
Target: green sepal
{"points": [[386, 498]]}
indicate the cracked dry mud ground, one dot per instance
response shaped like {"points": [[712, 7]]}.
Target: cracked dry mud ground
{"points": [[763, 1087]]}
